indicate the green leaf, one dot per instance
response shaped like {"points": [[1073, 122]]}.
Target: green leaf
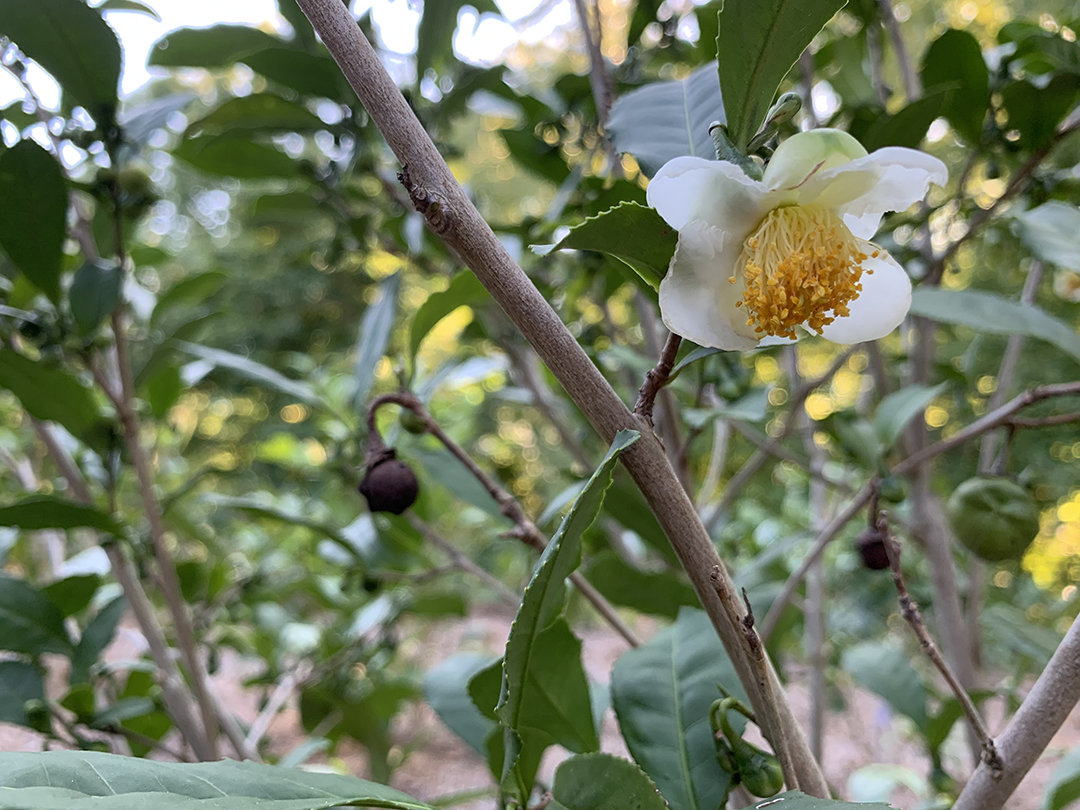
{"points": [[51, 512], [658, 594], [73, 594], [544, 687], [446, 689], [987, 312], [124, 709], [758, 43], [307, 73], [260, 111], [98, 634], [631, 232], [112, 782], [465, 290], [435, 35], [29, 622], [885, 670], [95, 292], [129, 5], [19, 682], [1063, 788], [256, 372], [900, 407], [1052, 233], [795, 800], [215, 47], [661, 693], [603, 782], [33, 212], [956, 58], [1034, 112], [376, 324], [753, 406], [908, 126], [452, 474], [666, 120], [71, 41], [232, 155], [163, 388], [192, 290]]}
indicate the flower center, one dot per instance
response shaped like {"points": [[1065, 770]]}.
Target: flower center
{"points": [[801, 266]]}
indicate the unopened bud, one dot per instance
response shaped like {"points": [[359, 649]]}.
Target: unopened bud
{"points": [[871, 546]]}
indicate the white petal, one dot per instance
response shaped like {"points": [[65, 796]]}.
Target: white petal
{"points": [[863, 227], [890, 179], [714, 191], [880, 307], [696, 299]]}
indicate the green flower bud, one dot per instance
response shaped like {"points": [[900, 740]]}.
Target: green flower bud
{"points": [[806, 153], [755, 769]]}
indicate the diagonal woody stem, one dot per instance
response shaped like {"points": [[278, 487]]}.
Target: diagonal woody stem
{"points": [[436, 193]]}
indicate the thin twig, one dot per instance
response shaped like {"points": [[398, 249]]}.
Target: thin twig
{"points": [[524, 529], [903, 61], [463, 563], [909, 609], [657, 378], [667, 426], [283, 691]]}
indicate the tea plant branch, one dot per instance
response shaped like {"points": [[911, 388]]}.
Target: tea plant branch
{"points": [[768, 720], [123, 400], [524, 529], [436, 193], [1035, 723], [177, 698], [462, 563], [909, 609], [667, 427], [656, 378], [903, 61]]}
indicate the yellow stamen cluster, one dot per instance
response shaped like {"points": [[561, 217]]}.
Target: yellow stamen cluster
{"points": [[801, 266]]}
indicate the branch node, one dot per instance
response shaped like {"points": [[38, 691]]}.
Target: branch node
{"points": [[656, 378], [433, 206]]}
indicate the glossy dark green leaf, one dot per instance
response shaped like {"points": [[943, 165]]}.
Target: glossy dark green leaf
{"points": [[988, 312], [666, 120], [884, 669], [95, 292], [446, 689], [603, 782], [71, 41], [259, 111], [232, 155], [73, 594], [376, 325], [908, 126], [163, 388], [52, 512], [33, 213], [627, 505], [633, 233], [112, 782], [544, 686], [19, 682], [759, 41], [48, 392], [534, 154], [900, 407], [1052, 232], [98, 634], [190, 291], [256, 372], [465, 290], [307, 73], [659, 594], [215, 47], [435, 35], [955, 58], [1034, 112], [661, 693], [29, 622]]}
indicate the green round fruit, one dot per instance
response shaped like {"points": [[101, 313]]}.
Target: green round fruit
{"points": [[995, 518], [412, 423]]}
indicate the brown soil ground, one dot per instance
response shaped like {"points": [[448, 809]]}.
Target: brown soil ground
{"points": [[437, 764]]}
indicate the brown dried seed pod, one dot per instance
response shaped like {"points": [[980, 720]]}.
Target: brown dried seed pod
{"points": [[871, 546], [389, 485]]}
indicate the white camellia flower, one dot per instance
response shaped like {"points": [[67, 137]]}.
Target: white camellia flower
{"points": [[755, 259]]}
